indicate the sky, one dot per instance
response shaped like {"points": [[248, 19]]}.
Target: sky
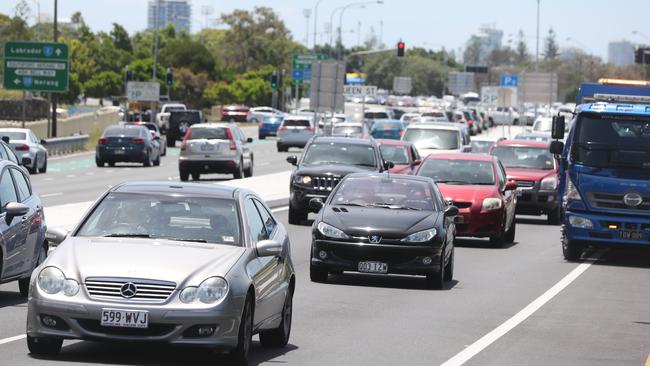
{"points": [[585, 24]]}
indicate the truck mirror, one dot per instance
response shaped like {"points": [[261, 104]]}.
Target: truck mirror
{"points": [[556, 147], [557, 131]]}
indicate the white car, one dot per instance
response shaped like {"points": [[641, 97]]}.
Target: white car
{"points": [[162, 118], [436, 138], [30, 151], [505, 116], [409, 118], [257, 114]]}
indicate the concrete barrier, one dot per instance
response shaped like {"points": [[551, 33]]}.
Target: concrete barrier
{"points": [[82, 124]]}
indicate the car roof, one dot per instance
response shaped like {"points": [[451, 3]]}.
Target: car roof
{"points": [[349, 124], [125, 127], [151, 187], [393, 142], [300, 117], [449, 126], [14, 129], [212, 125], [461, 156], [345, 140], [522, 143], [387, 120]]}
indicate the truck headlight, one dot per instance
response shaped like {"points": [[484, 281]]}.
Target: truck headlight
{"points": [[331, 232], [420, 236], [302, 179], [580, 222], [51, 280], [491, 204], [548, 184]]}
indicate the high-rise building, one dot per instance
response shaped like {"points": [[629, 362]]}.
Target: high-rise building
{"points": [[176, 12], [620, 53], [480, 45]]}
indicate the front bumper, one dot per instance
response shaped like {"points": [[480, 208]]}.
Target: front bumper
{"points": [[479, 224], [606, 229], [536, 202], [168, 323], [222, 165], [300, 196], [400, 259]]}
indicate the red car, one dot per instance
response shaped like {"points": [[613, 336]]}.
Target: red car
{"points": [[402, 153], [234, 113], [477, 185], [533, 168]]}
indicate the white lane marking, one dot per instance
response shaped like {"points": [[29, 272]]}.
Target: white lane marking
{"points": [[498, 332], [280, 209], [72, 175], [12, 339], [51, 179], [51, 195]]}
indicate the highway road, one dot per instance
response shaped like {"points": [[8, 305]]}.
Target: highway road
{"points": [[520, 305]]}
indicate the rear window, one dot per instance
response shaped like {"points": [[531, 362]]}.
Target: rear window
{"points": [[346, 130], [14, 135], [297, 123], [376, 115], [434, 114], [236, 109], [117, 132], [208, 133]]}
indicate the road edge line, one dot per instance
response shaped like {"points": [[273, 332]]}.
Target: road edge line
{"points": [[12, 339]]}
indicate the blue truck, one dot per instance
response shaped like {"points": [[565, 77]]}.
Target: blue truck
{"points": [[605, 167]]}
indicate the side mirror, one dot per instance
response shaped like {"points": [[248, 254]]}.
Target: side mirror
{"points": [[556, 147], [56, 236], [417, 162], [388, 165], [249, 140], [268, 248], [13, 209], [292, 159], [510, 186], [451, 211], [316, 204], [5, 139], [43, 142], [557, 130]]}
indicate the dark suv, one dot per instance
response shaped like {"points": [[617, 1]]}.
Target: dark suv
{"points": [[324, 163], [180, 122]]}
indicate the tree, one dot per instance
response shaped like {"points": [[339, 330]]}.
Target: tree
{"points": [[472, 54], [189, 54], [522, 48], [120, 38], [22, 10], [104, 84], [551, 49], [190, 87]]}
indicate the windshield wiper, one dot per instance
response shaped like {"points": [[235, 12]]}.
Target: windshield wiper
{"points": [[349, 204], [188, 240], [452, 182], [393, 207], [127, 236]]}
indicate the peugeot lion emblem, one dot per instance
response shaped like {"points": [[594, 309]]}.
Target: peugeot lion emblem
{"points": [[632, 199], [374, 239], [128, 290]]}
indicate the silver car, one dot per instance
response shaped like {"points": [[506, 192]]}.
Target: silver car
{"points": [[295, 131], [182, 264], [28, 148], [215, 148]]}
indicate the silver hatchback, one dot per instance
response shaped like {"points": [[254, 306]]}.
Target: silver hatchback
{"points": [[295, 131], [215, 148], [185, 264], [28, 148]]}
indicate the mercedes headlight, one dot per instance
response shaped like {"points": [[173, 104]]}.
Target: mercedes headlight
{"points": [[51, 280], [331, 232], [210, 291], [491, 204], [421, 236], [548, 184]]}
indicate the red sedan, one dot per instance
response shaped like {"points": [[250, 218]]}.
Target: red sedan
{"points": [[402, 153], [478, 186]]}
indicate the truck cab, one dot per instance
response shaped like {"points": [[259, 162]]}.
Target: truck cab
{"points": [[605, 167]]}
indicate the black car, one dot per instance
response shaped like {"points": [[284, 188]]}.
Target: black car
{"points": [[384, 224], [324, 163], [162, 139], [23, 245], [180, 122], [127, 143]]}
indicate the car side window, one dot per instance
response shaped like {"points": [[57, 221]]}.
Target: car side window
{"points": [[269, 222], [7, 189], [414, 152], [256, 227], [34, 138], [24, 190], [11, 156], [502, 175]]}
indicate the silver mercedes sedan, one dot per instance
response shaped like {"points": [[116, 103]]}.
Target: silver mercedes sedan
{"points": [[189, 264]]}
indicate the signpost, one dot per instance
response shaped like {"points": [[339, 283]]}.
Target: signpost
{"points": [[508, 80], [142, 91], [460, 82], [362, 91], [36, 66], [402, 85], [301, 67]]}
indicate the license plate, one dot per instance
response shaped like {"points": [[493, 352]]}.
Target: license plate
{"points": [[459, 220], [629, 234], [373, 267], [124, 318], [119, 152], [207, 147]]}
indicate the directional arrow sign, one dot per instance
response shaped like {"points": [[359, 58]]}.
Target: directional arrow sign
{"points": [[36, 66]]}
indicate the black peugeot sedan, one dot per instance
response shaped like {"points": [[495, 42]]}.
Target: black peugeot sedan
{"points": [[384, 224], [324, 163], [129, 144]]}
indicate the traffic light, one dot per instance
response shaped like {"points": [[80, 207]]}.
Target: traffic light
{"points": [[169, 78], [129, 75], [401, 47], [274, 80]]}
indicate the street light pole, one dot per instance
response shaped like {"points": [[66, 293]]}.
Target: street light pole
{"points": [[307, 14], [362, 5], [55, 37], [316, 21], [537, 47]]}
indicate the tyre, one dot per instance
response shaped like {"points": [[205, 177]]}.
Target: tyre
{"points": [[296, 216], [436, 280], [157, 161], [171, 141], [196, 175], [279, 337], [571, 249], [239, 355], [249, 171], [317, 274], [498, 241], [554, 217], [111, 164], [261, 137], [164, 151], [184, 175], [239, 170], [34, 169], [282, 148], [449, 268], [100, 163], [41, 346], [510, 234], [44, 168], [147, 160]]}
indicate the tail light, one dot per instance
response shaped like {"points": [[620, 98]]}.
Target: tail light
{"points": [[260, 124], [470, 122], [102, 141], [233, 146], [282, 128], [401, 132], [311, 129], [187, 134], [22, 147], [137, 141]]}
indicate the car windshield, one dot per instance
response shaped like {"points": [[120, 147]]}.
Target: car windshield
{"points": [[426, 138], [210, 133], [481, 147], [173, 217], [612, 141], [385, 192], [14, 135], [346, 130], [524, 157], [119, 132], [396, 154], [340, 153], [458, 171]]}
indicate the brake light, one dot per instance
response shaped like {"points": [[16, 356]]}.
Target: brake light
{"points": [[187, 134], [102, 141], [311, 129], [401, 132], [470, 122], [22, 147], [137, 141], [282, 127], [260, 124], [233, 146]]}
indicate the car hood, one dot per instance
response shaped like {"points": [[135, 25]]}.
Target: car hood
{"points": [[167, 260], [424, 152], [362, 221], [333, 169], [467, 193], [528, 174]]}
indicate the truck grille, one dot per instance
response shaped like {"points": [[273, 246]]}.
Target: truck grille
{"points": [[525, 183], [615, 201], [325, 183], [146, 290]]}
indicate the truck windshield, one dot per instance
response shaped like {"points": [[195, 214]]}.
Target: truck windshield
{"points": [[612, 141]]}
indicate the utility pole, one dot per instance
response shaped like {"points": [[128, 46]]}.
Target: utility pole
{"points": [[56, 37], [316, 21], [537, 47]]}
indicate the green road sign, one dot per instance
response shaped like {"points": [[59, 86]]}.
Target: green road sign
{"points": [[36, 66], [301, 67]]}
